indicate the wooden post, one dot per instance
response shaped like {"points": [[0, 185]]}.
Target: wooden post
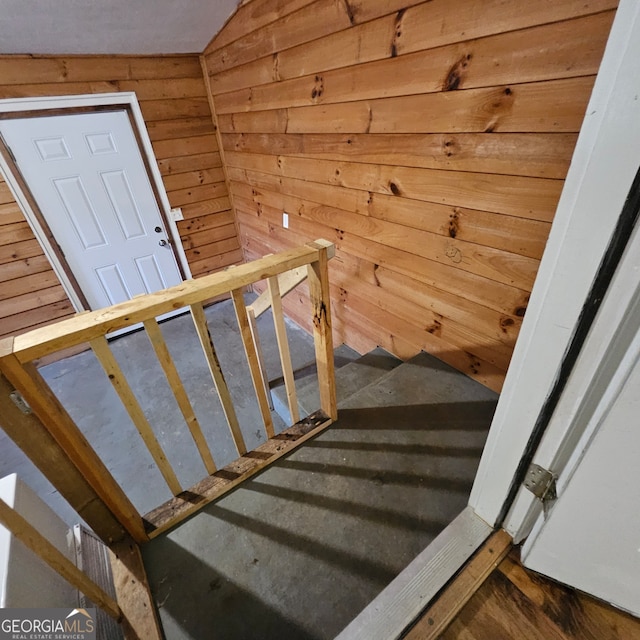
{"points": [[202, 329], [117, 378], [55, 434], [140, 617], [36, 542], [173, 378], [283, 348], [28, 432], [252, 359], [318, 275]]}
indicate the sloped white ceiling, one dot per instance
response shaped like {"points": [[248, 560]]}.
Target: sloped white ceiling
{"points": [[110, 26]]}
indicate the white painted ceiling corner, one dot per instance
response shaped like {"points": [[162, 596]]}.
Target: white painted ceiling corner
{"points": [[136, 27]]}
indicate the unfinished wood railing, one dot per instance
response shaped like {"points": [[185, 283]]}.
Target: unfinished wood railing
{"points": [[79, 474], [38, 423]]}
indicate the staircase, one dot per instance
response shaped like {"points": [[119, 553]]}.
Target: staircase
{"points": [[353, 374], [298, 551]]}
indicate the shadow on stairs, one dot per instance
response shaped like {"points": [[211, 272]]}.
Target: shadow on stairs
{"points": [[299, 550]]}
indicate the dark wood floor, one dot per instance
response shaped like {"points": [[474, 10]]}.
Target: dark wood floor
{"points": [[516, 603]]}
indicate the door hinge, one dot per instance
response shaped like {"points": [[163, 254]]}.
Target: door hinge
{"points": [[542, 483], [20, 402]]}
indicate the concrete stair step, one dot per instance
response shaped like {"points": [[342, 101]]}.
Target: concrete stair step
{"points": [[351, 378], [405, 386]]}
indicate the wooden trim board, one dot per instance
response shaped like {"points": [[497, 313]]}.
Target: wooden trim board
{"points": [[400, 603], [454, 597], [221, 482], [84, 327], [140, 619]]}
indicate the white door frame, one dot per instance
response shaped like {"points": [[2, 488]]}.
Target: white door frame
{"points": [[606, 158], [126, 100]]}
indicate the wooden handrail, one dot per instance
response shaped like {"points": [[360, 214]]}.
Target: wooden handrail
{"points": [[67, 442], [87, 326]]}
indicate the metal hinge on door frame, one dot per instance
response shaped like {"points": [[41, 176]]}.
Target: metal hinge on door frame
{"points": [[542, 483]]}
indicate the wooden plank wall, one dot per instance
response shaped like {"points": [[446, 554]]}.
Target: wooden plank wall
{"points": [[30, 292], [173, 99], [428, 139]]}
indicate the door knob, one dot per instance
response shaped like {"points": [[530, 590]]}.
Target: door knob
{"points": [[158, 229], [163, 243]]}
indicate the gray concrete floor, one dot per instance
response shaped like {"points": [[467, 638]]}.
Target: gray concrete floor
{"points": [[299, 550]]}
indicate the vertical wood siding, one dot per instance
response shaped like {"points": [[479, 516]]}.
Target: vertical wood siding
{"points": [[429, 140], [173, 99]]}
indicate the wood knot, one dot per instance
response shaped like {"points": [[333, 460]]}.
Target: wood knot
{"points": [[449, 147], [394, 188], [434, 328], [456, 73], [397, 33], [453, 224], [453, 253], [375, 274], [350, 13], [520, 311], [318, 89], [505, 323]]}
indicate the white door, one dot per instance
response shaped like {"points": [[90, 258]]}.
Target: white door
{"points": [[88, 178], [590, 538]]}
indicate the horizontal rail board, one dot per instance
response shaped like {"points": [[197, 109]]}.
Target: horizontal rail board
{"points": [[87, 326], [221, 482]]}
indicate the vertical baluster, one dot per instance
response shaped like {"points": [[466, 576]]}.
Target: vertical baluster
{"points": [[283, 348], [117, 378], [173, 378], [252, 359], [202, 329]]}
